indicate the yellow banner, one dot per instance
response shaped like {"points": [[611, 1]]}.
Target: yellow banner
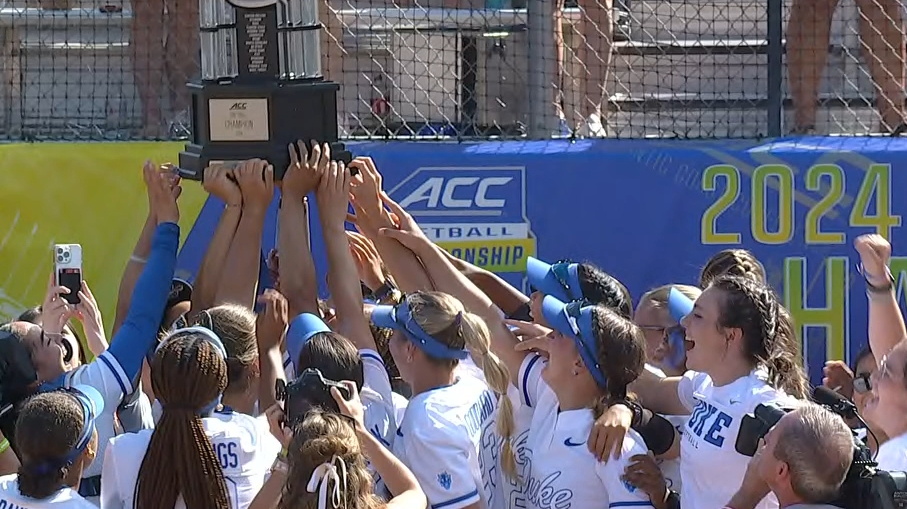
{"points": [[81, 193], [495, 255]]}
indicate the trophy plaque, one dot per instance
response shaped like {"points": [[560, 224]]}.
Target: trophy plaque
{"points": [[261, 85]]}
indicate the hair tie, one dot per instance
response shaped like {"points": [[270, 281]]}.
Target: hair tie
{"points": [[321, 478], [458, 318]]}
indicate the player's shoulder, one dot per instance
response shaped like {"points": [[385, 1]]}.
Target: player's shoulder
{"points": [[128, 445], [756, 390]]}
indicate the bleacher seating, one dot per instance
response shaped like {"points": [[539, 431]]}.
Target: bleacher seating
{"points": [[694, 68]]}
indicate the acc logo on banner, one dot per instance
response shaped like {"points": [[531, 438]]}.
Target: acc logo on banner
{"points": [[476, 214]]}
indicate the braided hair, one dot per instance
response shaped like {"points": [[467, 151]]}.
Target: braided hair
{"points": [[188, 373], [732, 262], [768, 335]]}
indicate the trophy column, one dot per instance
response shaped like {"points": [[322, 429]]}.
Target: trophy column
{"points": [[261, 85]]}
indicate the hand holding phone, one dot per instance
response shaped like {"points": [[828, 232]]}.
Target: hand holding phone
{"points": [[68, 270]]}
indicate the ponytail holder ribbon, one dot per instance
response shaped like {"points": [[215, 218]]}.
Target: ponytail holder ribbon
{"points": [[321, 479]]}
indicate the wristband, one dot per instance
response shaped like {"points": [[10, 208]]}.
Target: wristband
{"points": [[138, 259], [4, 445], [871, 288], [280, 465]]}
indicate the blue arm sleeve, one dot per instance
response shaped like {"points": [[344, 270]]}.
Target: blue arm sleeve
{"points": [[140, 328]]}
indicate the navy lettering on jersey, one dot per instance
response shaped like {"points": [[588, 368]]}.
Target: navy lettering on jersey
{"points": [[488, 461], [479, 412], [5, 504], [708, 423], [544, 493], [227, 453]]}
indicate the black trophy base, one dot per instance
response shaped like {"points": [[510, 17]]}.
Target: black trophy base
{"points": [[233, 122]]}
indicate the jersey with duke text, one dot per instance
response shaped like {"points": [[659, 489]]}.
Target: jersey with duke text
{"points": [[243, 445], [440, 437], [66, 498], [710, 466], [503, 491], [558, 469]]}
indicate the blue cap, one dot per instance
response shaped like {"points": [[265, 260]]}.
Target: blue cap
{"points": [[300, 331], [400, 318], [575, 320], [560, 280], [679, 305]]}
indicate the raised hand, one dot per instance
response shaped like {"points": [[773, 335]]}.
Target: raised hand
{"points": [[256, 181], [88, 313], [163, 192], [367, 186], [55, 311], [838, 377], [220, 182], [368, 261], [333, 195], [407, 231], [352, 407], [305, 170], [271, 324], [875, 253]]}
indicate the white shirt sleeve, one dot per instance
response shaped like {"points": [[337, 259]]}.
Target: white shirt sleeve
{"points": [[438, 456], [106, 375], [687, 387], [622, 494], [531, 384], [110, 493], [375, 375]]}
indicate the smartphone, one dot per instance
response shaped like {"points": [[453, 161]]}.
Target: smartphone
{"points": [[68, 270]]}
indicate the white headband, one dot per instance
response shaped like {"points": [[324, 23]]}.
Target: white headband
{"points": [[208, 334], [321, 479]]}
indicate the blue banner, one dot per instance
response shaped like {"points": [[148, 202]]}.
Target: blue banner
{"points": [[652, 212]]}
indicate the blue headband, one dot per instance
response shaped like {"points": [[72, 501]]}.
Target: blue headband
{"points": [[400, 317], [92, 404], [575, 320]]}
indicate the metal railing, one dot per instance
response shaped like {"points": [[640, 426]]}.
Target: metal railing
{"points": [[458, 70]]}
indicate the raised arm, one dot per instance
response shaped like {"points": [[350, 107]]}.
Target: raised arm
{"points": [[220, 182], [343, 278], [448, 279], [507, 298], [886, 324], [139, 331], [297, 268], [256, 182], [371, 216], [139, 257]]}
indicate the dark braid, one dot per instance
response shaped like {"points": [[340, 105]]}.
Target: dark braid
{"points": [[187, 375], [732, 262], [768, 334]]}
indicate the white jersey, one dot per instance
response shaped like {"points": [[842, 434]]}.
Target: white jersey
{"points": [[107, 376], [440, 437], [66, 498], [400, 403], [243, 444], [377, 398], [557, 469], [710, 466], [502, 492], [892, 454]]}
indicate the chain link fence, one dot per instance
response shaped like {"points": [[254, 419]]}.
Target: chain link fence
{"points": [[475, 69]]}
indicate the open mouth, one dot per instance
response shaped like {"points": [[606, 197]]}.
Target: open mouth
{"points": [[688, 345], [67, 351]]}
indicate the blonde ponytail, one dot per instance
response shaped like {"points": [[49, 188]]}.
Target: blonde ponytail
{"points": [[477, 337]]}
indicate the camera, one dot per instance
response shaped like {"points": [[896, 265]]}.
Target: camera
{"points": [[865, 486], [309, 389]]}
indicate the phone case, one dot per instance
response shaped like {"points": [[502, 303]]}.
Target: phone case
{"points": [[68, 270]]}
